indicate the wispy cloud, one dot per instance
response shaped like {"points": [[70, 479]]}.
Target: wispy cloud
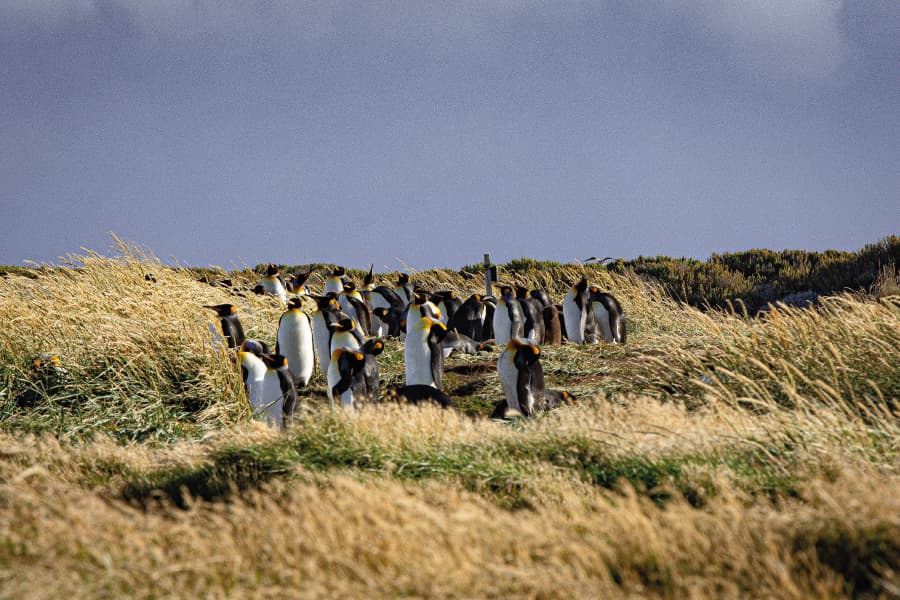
{"points": [[797, 39]]}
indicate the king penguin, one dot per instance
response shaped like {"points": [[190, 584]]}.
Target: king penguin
{"points": [[521, 376], [423, 354], [508, 320], [577, 314], [385, 322], [344, 334], [355, 306], [297, 283], [295, 342], [347, 378], [335, 281], [231, 325], [253, 372], [469, 318], [279, 396], [273, 283], [532, 312], [447, 304], [404, 288], [327, 314], [419, 308], [609, 315]]}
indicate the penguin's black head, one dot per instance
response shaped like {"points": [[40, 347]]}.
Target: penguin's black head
{"points": [[255, 347], [419, 299], [326, 302], [402, 278], [259, 289], [295, 304], [375, 346], [345, 324], [349, 287], [274, 361], [522, 292], [222, 310], [271, 270], [338, 272], [526, 354], [381, 312], [581, 285], [505, 291]]}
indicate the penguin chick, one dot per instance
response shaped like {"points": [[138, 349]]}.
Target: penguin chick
{"points": [[231, 325], [521, 376]]}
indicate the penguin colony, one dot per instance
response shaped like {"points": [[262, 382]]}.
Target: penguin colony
{"points": [[345, 334]]}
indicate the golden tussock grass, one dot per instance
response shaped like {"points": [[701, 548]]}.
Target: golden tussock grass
{"points": [[713, 455]]}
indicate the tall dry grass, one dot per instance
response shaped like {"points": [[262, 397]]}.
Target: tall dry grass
{"points": [[714, 455]]}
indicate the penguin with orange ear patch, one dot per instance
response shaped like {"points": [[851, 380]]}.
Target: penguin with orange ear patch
{"points": [[231, 325], [521, 376], [348, 379]]}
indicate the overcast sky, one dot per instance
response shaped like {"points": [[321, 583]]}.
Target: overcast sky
{"points": [[427, 133]]}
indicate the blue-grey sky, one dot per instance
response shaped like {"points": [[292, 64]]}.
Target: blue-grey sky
{"points": [[427, 133]]}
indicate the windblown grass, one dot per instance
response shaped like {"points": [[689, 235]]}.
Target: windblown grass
{"points": [[714, 455]]}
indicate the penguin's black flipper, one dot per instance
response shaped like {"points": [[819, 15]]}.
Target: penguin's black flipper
{"points": [[420, 394]]}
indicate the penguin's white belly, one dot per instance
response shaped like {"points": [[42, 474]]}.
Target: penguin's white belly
{"points": [[333, 284], [418, 362], [275, 288], [508, 375], [344, 339], [602, 317], [321, 341], [574, 321], [502, 324], [295, 342], [269, 409]]}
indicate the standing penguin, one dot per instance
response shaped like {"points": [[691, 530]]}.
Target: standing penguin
{"points": [[387, 299], [521, 376], [273, 283], [404, 288], [447, 304], [469, 318], [279, 396], [552, 326], [532, 312], [345, 335], [419, 308], [508, 320], [355, 306], [609, 315], [577, 314], [423, 354], [347, 378], [297, 283], [253, 372], [295, 342], [335, 280], [328, 313], [231, 325]]}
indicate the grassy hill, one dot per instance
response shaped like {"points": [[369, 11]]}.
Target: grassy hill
{"points": [[715, 454]]}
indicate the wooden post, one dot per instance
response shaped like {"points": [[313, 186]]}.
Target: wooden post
{"points": [[489, 271]]}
